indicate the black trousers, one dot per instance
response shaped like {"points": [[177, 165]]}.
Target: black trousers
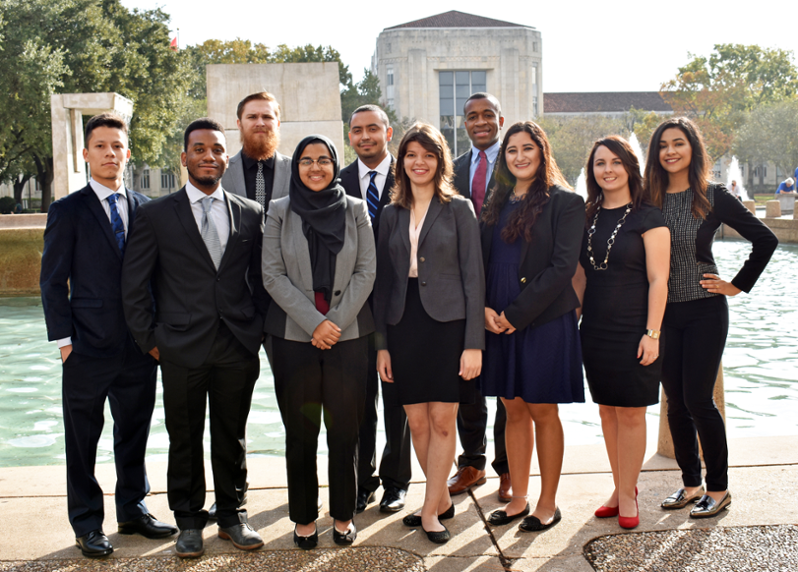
{"points": [[395, 468], [472, 423], [694, 335], [128, 381], [225, 381], [308, 382]]}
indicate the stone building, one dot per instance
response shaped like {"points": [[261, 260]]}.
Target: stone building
{"points": [[427, 69]]}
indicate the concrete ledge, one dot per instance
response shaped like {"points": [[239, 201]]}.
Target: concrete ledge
{"points": [[20, 260]]}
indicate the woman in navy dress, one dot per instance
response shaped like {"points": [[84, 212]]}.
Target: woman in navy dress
{"points": [[531, 234], [622, 280]]}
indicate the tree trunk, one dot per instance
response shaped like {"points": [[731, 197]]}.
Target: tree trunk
{"points": [[44, 168], [19, 186]]}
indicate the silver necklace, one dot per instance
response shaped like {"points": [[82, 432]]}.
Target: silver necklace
{"points": [[610, 241]]}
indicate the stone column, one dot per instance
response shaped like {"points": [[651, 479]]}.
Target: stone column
{"points": [[750, 205], [772, 209], [665, 443]]}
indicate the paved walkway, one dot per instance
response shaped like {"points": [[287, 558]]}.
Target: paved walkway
{"points": [[758, 533]]}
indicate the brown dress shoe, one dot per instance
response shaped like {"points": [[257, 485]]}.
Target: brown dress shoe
{"points": [[505, 488], [465, 478]]}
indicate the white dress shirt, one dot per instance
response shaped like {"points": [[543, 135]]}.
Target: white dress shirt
{"points": [[492, 153], [219, 212], [382, 175]]}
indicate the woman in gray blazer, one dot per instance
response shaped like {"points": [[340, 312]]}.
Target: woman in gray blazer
{"points": [[429, 302], [319, 267]]}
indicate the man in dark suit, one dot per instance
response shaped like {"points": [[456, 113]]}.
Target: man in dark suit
{"points": [[370, 178], [473, 178], [84, 244], [201, 249]]}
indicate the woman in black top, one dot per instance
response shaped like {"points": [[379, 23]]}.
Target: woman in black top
{"points": [[697, 316], [622, 280]]}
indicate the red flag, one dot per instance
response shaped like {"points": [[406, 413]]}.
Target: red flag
{"points": [[173, 43]]}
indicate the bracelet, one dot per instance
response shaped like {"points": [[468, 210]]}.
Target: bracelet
{"points": [[653, 334]]}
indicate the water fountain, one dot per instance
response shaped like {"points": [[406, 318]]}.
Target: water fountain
{"points": [[581, 185], [735, 174], [635, 144]]}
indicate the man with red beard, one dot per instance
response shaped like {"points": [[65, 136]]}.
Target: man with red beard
{"points": [[258, 171]]}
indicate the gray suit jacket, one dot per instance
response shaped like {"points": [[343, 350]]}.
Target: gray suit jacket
{"points": [[233, 179], [450, 272], [288, 277]]}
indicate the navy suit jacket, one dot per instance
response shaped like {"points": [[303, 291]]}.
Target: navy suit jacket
{"points": [[81, 274], [462, 176], [350, 181]]}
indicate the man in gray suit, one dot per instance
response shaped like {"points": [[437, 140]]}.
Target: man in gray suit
{"points": [[258, 171]]}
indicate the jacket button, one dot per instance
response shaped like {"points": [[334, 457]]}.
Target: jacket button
{"points": [[337, 293], [523, 280], [423, 283], [422, 259]]}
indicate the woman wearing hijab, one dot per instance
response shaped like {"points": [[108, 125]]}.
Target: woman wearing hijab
{"points": [[319, 267]]}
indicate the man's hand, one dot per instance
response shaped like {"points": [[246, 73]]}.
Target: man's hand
{"points": [[155, 353], [65, 351], [326, 335], [384, 366]]}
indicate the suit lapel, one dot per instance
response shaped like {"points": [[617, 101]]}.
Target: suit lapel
{"points": [[282, 176], [299, 248], [189, 224], [386, 190], [96, 209], [403, 226], [435, 208], [237, 170], [462, 176], [234, 216]]}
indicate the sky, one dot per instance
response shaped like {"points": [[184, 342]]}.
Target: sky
{"points": [[587, 46]]}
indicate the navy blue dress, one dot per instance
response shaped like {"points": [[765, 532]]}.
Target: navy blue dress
{"points": [[540, 365]]}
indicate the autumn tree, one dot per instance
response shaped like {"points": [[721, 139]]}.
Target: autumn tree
{"points": [[770, 133]]}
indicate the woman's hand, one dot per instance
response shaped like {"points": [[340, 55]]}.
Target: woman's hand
{"points": [[505, 324], [470, 364], [326, 335], [648, 349], [714, 284], [384, 366], [492, 321]]}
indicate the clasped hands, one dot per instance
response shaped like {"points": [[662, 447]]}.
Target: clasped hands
{"points": [[497, 323], [326, 335]]}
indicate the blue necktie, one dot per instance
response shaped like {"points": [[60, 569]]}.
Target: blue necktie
{"points": [[116, 223], [372, 197]]}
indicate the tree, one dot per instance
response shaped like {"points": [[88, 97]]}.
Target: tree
{"points": [[770, 133], [717, 92]]}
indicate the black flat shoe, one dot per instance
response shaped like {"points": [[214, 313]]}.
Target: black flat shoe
{"points": [[533, 524], [414, 520], [708, 507], [500, 517], [307, 542], [344, 538], [147, 526], [94, 544], [679, 499], [438, 537]]}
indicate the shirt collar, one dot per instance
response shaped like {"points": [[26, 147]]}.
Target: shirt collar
{"points": [[195, 195], [383, 168], [250, 163], [104, 192], [492, 152]]}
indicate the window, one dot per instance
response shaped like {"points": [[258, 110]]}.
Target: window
{"points": [[145, 179], [389, 87], [455, 88], [167, 180]]}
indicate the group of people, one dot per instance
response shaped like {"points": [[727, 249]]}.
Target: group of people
{"points": [[449, 281]]}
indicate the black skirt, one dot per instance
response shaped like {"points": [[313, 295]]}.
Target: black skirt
{"points": [[425, 356]]}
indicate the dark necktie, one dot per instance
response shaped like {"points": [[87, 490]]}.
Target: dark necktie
{"points": [[373, 197], [479, 181], [260, 187], [116, 223]]}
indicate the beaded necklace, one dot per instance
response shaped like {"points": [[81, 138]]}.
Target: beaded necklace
{"points": [[610, 241]]}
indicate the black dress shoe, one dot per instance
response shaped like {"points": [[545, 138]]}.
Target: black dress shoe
{"points": [[439, 536], [500, 517], [345, 538], [306, 542], [708, 507], [363, 500], [189, 543], [414, 520], [242, 536], [393, 500], [533, 524], [147, 526], [679, 499], [94, 544]]}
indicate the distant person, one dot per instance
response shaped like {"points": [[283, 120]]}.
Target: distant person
{"points": [[370, 177], [736, 190], [84, 245], [194, 300], [787, 187], [474, 179], [696, 320]]}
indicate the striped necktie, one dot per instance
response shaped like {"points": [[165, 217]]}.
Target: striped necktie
{"points": [[209, 234], [372, 196], [117, 226], [260, 187]]}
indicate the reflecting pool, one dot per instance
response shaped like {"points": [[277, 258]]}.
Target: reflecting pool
{"points": [[760, 368]]}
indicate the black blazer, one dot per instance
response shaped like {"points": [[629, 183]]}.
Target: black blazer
{"points": [[191, 296], [81, 274], [450, 272], [462, 176], [350, 181], [548, 262]]}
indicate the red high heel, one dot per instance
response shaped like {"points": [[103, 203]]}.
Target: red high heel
{"points": [[608, 511], [630, 521]]}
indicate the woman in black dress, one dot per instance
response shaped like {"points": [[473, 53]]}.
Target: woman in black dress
{"points": [[696, 320], [622, 280], [531, 233], [428, 303]]}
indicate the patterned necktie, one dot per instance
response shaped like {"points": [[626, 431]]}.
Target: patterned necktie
{"points": [[116, 223], [209, 234], [260, 187], [372, 197], [478, 182]]}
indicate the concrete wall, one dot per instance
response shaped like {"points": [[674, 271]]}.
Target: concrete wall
{"points": [[309, 97]]}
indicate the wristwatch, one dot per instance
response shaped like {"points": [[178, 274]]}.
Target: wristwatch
{"points": [[653, 334]]}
